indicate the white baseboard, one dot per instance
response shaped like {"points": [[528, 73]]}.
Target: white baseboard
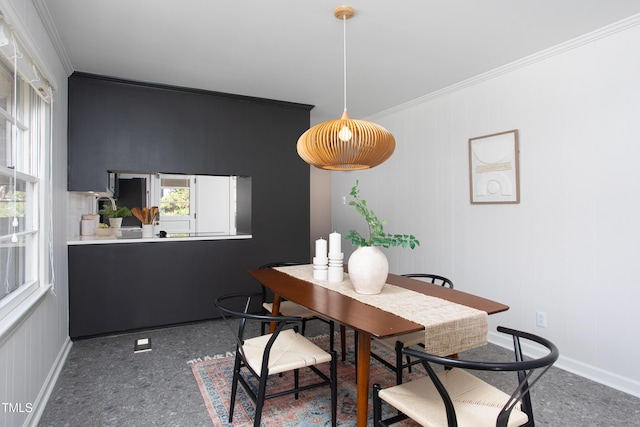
{"points": [[47, 388], [590, 372]]}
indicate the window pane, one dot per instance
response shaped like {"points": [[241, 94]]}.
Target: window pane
{"points": [[24, 152], [12, 204], [12, 260], [175, 202], [5, 143], [6, 110], [24, 145], [175, 197], [6, 86]]}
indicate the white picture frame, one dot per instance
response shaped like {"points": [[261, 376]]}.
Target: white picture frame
{"points": [[494, 168]]}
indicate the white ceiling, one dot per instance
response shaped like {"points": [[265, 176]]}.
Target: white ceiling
{"points": [[291, 50]]}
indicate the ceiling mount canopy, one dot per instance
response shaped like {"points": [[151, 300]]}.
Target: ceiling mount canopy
{"points": [[346, 144]]}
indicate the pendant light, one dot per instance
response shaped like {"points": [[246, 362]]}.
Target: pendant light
{"points": [[345, 144]]}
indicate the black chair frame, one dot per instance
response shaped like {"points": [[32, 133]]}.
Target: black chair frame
{"points": [[241, 361], [304, 320], [444, 281], [400, 365], [529, 372]]}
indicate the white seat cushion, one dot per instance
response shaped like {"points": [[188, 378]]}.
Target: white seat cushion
{"points": [[288, 308], [290, 351], [476, 403], [407, 340]]}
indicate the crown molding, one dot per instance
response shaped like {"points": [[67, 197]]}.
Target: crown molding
{"points": [[54, 36]]}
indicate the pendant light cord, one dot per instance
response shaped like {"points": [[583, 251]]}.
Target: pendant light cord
{"points": [[344, 59]]}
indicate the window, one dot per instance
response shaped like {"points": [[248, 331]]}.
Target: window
{"points": [[24, 134], [175, 196], [177, 203], [187, 203]]}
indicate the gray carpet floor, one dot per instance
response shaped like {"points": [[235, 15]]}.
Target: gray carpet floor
{"points": [[104, 383]]}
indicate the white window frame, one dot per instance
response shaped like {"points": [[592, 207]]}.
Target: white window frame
{"points": [[33, 167]]}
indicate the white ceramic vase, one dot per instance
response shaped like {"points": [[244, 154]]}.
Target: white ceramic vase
{"points": [[115, 222], [368, 270]]}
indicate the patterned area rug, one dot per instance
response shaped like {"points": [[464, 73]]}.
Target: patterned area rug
{"points": [[312, 408]]}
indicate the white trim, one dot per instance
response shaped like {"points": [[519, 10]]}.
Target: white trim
{"points": [[12, 321], [16, 297], [19, 175], [590, 372], [47, 388], [614, 28], [54, 36]]}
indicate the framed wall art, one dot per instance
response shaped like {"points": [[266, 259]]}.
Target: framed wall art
{"points": [[493, 168]]}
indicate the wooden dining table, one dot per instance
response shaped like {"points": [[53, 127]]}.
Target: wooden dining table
{"points": [[367, 320]]}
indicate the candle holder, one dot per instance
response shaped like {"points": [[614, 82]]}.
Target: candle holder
{"points": [[335, 267], [320, 268]]}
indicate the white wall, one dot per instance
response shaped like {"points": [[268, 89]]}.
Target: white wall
{"points": [[32, 353], [320, 206], [571, 248]]}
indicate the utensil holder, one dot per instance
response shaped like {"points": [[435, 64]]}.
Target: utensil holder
{"points": [[147, 230]]}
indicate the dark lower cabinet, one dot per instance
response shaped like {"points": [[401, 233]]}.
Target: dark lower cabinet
{"points": [[122, 287]]}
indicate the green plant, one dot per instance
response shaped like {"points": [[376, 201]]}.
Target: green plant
{"points": [[377, 236], [120, 211]]}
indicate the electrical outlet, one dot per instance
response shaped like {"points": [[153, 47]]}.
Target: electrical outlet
{"points": [[541, 319]]}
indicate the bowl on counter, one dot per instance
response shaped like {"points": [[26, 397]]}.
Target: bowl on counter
{"points": [[103, 232]]}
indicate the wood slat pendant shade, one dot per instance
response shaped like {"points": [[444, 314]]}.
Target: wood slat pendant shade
{"points": [[346, 144]]}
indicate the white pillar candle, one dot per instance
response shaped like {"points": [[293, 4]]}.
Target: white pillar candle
{"points": [[335, 245], [321, 248]]}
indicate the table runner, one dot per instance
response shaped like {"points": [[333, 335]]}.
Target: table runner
{"points": [[449, 327]]}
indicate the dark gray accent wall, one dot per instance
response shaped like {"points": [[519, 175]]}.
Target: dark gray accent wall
{"points": [[122, 125]]}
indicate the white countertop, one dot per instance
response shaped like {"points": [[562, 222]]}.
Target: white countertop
{"points": [[134, 235]]}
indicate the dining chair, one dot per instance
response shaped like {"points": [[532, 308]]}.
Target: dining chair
{"points": [[397, 344], [290, 308], [454, 397], [431, 278], [284, 350]]}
